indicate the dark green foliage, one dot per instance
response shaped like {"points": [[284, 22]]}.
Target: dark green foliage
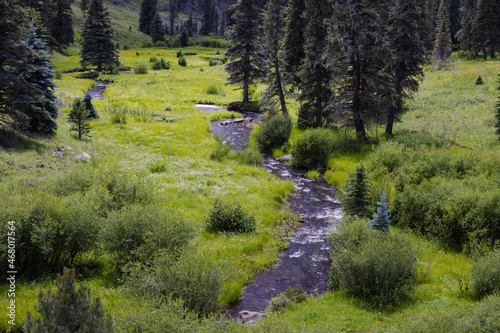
{"points": [[485, 275], [141, 68], [486, 29], [160, 64], [146, 15], [210, 18], [156, 29], [84, 6], [249, 157], [313, 148], [379, 268], [274, 133], [88, 104], [479, 81], [98, 48], [68, 310], [180, 54], [39, 106], [79, 116], [291, 295], [182, 61], [293, 44], [485, 317], [244, 52], [184, 37], [229, 217], [356, 197], [464, 35], [497, 115], [381, 219], [442, 44], [62, 25]]}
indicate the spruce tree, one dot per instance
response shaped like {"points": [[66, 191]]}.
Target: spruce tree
{"points": [[356, 197], [87, 99], [381, 219], [464, 35], [173, 13], [37, 72], [78, 117], [293, 45], [497, 116], [146, 15], [486, 29], [442, 44], [455, 16], [62, 25], [184, 37], [98, 48], [68, 309], [244, 52], [157, 31], [208, 20], [406, 36], [273, 31], [84, 6]]}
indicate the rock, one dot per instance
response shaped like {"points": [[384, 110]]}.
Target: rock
{"points": [[68, 148], [238, 120], [285, 158], [227, 122], [87, 156], [83, 157], [248, 119], [250, 317]]}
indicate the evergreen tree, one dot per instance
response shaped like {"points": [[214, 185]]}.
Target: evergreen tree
{"points": [[455, 15], [315, 78], [486, 29], [190, 24], [98, 48], [442, 45], [381, 219], [244, 53], [87, 99], [497, 122], [293, 45], [355, 199], [79, 116], [464, 35], [62, 25], [184, 37], [68, 310], [146, 15], [37, 72], [157, 31], [173, 11], [406, 35], [208, 21], [84, 6], [273, 31]]}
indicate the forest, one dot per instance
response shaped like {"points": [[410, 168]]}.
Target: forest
{"points": [[250, 166]]}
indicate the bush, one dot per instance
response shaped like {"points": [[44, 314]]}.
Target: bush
{"points": [[279, 303], [485, 275], [380, 270], [214, 90], [485, 317], [58, 75], [291, 295], [136, 233], [416, 139], [222, 148], [213, 62], [249, 157], [182, 61], [180, 54], [313, 148], [160, 64], [142, 68], [274, 133], [229, 217]]}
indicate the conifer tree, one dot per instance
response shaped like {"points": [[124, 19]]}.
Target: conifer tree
{"points": [[455, 16], [37, 72], [87, 99], [244, 52], [315, 78], [442, 45], [497, 116], [78, 117], [293, 45], [464, 35], [146, 15], [98, 48], [68, 309], [355, 199], [486, 29], [184, 37], [84, 6], [208, 21], [381, 219], [273, 31], [406, 36], [62, 25], [157, 31], [173, 13]]}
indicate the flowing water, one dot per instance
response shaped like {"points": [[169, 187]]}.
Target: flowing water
{"points": [[98, 89]]}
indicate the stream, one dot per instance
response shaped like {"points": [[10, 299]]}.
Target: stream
{"points": [[98, 89], [306, 261]]}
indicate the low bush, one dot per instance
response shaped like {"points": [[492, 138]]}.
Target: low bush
{"points": [[249, 157], [416, 139], [141, 68], [485, 317], [213, 62], [274, 133], [313, 148], [290, 296], [214, 90], [182, 61], [58, 75], [180, 54], [222, 148], [160, 64], [229, 217], [485, 275]]}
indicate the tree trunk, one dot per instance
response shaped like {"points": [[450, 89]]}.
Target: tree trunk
{"points": [[319, 100], [245, 88], [281, 94], [390, 122], [356, 85]]}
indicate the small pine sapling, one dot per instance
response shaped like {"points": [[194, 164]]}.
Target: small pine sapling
{"points": [[381, 219], [78, 117], [355, 199], [479, 81], [88, 104]]}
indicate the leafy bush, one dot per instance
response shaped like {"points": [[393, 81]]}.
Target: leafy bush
{"points": [[485, 275], [291, 295], [213, 62], [180, 54], [313, 148], [160, 64], [136, 233], [249, 157], [484, 318], [214, 90], [141, 68], [229, 217], [58, 75], [182, 61], [279, 303], [274, 133], [222, 148]]}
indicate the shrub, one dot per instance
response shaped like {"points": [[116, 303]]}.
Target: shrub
{"points": [[160, 64], [141, 68], [249, 157], [214, 90], [479, 81], [182, 61], [180, 54], [222, 148], [68, 309], [274, 133], [229, 217], [416, 139], [356, 197], [118, 115], [279, 303], [213, 62], [485, 317], [291, 295], [58, 75], [485, 275], [313, 148], [136, 233]]}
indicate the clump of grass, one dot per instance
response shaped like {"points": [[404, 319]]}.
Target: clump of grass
{"points": [[312, 174], [141, 68], [214, 89], [222, 149]]}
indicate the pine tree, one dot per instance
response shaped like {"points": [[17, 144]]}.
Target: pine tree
{"points": [[315, 77], [78, 116], [442, 45], [406, 35], [173, 11], [381, 219], [184, 37], [68, 310], [157, 31], [84, 6], [486, 29], [37, 72], [244, 53], [355, 199], [208, 21], [464, 35], [497, 120], [62, 25], [273, 31], [98, 48], [87, 99], [146, 15], [293, 45], [455, 15]]}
